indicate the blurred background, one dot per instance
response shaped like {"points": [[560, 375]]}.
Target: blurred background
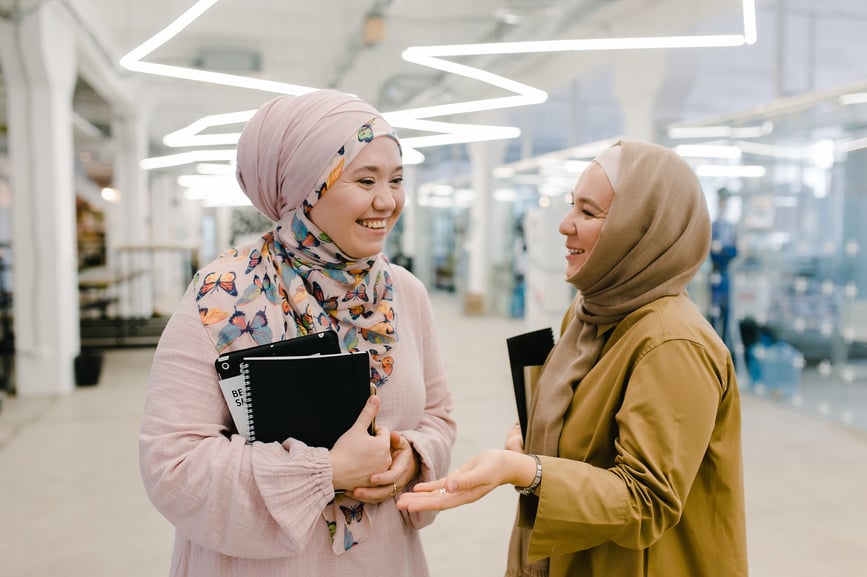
{"points": [[118, 123]]}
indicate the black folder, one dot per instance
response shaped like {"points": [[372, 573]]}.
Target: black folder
{"points": [[228, 365], [527, 350]]}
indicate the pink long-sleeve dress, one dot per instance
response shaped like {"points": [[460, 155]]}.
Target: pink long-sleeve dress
{"points": [[244, 509]]}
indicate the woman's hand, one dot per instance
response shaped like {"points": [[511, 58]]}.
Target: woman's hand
{"points": [[404, 468], [357, 455], [471, 481]]}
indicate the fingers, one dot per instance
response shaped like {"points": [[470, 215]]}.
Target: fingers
{"points": [[395, 440], [452, 483], [514, 440], [436, 499], [368, 414], [375, 494]]}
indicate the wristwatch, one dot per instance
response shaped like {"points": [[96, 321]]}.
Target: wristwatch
{"points": [[537, 480]]}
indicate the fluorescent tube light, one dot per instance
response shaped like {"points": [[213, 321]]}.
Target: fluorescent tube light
{"points": [[432, 57], [853, 98], [735, 171], [190, 134], [708, 151], [214, 168], [182, 158], [678, 132]]}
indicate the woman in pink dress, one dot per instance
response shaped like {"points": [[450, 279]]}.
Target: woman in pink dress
{"points": [[327, 169]]}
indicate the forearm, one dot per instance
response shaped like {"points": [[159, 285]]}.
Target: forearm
{"points": [[218, 490]]}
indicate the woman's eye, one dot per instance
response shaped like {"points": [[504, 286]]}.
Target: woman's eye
{"points": [[397, 181], [367, 181]]}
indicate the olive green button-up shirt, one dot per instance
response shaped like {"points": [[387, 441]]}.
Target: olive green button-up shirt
{"points": [[649, 478]]}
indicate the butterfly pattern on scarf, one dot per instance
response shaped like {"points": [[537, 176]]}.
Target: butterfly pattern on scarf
{"points": [[218, 281], [260, 286], [353, 513], [257, 328]]}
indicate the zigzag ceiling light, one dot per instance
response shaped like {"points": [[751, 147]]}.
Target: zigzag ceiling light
{"points": [[429, 56]]}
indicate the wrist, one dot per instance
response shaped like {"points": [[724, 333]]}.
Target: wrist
{"points": [[530, 477]]}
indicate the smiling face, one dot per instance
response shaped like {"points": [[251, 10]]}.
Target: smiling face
{"points": [[362, 206], [581, 226]]}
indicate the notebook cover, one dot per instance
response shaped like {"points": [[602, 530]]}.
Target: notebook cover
{"points": [[228, 366], [314, 399]]}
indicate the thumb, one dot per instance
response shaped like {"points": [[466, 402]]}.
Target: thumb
{"points": [[367, 414]]}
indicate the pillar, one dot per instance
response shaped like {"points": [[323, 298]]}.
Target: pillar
{"points": [[638, 78], [37, 48], [483, 157], [135, 262]]}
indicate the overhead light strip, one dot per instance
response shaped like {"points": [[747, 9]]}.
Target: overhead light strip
{"points": [[431, 57]]}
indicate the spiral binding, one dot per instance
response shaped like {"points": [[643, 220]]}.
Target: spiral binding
{"points": [[251, 427]]}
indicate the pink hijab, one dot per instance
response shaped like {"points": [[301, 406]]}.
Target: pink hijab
{"points": [[305, 132]]}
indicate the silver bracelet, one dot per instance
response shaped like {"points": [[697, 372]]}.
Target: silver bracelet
{"points": [[537, 480]]}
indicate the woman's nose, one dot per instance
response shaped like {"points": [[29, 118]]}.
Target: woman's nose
{"points": [[384, 199]]}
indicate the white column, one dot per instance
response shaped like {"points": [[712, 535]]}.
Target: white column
{"points": [[483, 158], [169, 228], [638, 77], [135, 265], [39, 65]]}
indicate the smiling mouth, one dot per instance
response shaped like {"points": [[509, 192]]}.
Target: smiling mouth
{"points": [[373, 224], [575, 251]]}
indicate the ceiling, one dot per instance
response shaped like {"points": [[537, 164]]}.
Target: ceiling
{"points": [[356, 46]]}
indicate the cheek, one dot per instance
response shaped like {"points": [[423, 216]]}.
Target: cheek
{"points": [[595, 232], [400, 202]]}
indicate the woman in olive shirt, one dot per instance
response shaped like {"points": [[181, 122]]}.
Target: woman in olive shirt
{"points": [[633, 454]]}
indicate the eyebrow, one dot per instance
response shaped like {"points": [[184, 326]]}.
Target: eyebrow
{"points": [[375, 168]]}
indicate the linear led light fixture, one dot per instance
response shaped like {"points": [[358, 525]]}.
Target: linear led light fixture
{"points": [[190, 134], [722, 131], [852, 145], [133, 60], [449, 132], [210, 168], [708, 151], [432, 56], [733, 170], [189, 157], [853, 98]]}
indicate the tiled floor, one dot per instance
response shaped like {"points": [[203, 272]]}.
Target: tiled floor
{"points": [[72, 503]]}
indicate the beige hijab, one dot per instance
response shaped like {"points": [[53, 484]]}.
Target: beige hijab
{"points": [[656, 236]]}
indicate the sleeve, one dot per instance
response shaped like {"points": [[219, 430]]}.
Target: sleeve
{"points": [[246, 500], [665, 425], [434, 436]]}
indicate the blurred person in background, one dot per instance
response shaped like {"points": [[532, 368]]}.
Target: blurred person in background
{"points": [[328, 170], [723, 249], [632, 465]]}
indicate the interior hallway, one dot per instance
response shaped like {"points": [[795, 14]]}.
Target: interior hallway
{"points": [[72, 503]]}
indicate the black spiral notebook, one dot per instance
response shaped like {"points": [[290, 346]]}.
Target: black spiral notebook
{"points": [[314, 399], [228, 368]]}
